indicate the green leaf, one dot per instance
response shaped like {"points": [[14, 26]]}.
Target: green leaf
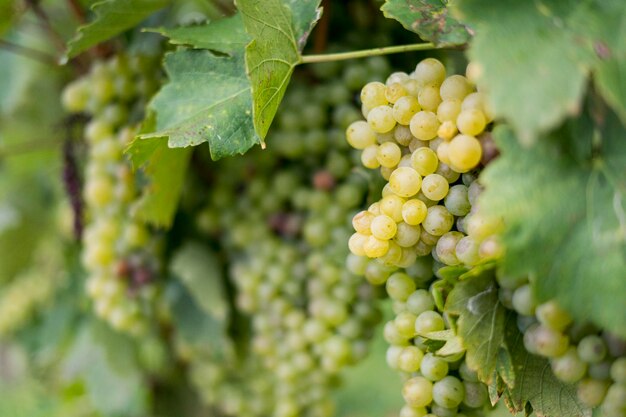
{"points": [[198, 269], [226, 35], [535, 384], [207, 100], [534, 69], [8, 12], [605, 24], [563, 208], [112, 18], [480, 323], [430, 19], [165, 169], [279, 29], [106, 361]]}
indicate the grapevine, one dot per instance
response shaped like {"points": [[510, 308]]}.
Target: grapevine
{"points": [[316, 208]]}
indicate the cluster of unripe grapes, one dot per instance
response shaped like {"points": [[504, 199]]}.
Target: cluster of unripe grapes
{"points": [[579, 354], [425, 133], [282, 217], [119, 252]]}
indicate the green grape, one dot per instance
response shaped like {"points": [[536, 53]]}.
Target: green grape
{"points": [[438, 221], [550, 314], [414, 212], [418, 392], [456, 201], [424, 125], [383, 227], [466, 251], [448, 110], [446, 248], [380, 119], [428, 321], [544, 341], [449, 392], [591, 392], [476, 394], [433, 368], [618, 370], [392, 206], [592, 349], [471, 122], [403, 111], [455, 87], [389, 154], [360, 135], [430, 71], [429, 98], [523, 301], [395, 90], [419, 301], [435, 187], [464, 152], [369, 157], [407, 235], [410, 358], [399, 286], [424, 161], [568, 367], [405, 182], [373, 94]]}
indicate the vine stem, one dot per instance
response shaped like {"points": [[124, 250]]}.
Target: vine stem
{"points": [[308, 59], [28, 52]]}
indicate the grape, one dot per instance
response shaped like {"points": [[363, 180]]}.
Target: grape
{"points": [[471, 122], [407, 235], [569, 367], [373, 94], [424, 125], [419, 301], [449, 392], [550, 314], [592, 349], [438, 221], [389, 154], [591, 392], [464, 152], [400, 286], [475, 394], [418, 392], [381, 119], [544, 341], [395, 90], [523, 301], [410, 359], [433, 368], [455, 87], [414, 211], [618, 370], [360, 135], [403, 111], [405, 182], [428, 98], [448, 110], [428, 321], [374, 247], [424, 161], [392, 206], [383, 227], [429, 72], [408, 411], [446, 248], [435, 187]]}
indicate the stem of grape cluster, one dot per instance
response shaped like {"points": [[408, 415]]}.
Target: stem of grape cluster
{"points": [[307, 59]]}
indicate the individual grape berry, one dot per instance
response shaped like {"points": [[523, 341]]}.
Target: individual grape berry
{"points": [[373, 94], [438, 221], [360, 135], [389, 154], [449, 392], [414, 211], [383, 227], [433, 368], [429, 71], [568, 367], [424, 125], [405, 182], [471, 122], [404, 109], [428, 321], [592, 349], [455, 87], [464, 152], [381, 119], [418, 392], [435, 187]]}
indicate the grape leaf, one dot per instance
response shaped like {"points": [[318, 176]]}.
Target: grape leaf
{"points": [[8, 12], [165, 169], [535, 384], [197, 268], [112, 18], [207, 100], [563, 207], [106, 361], [531, 65], [279, 30], [226, 35], [430, 19], [605, 24], [480, 323]]}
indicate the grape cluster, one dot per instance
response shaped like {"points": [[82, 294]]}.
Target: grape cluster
{"points": [[119, 252], [579, 354], [411, 134], [31, 289], [282, 217], [426, 133]]}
